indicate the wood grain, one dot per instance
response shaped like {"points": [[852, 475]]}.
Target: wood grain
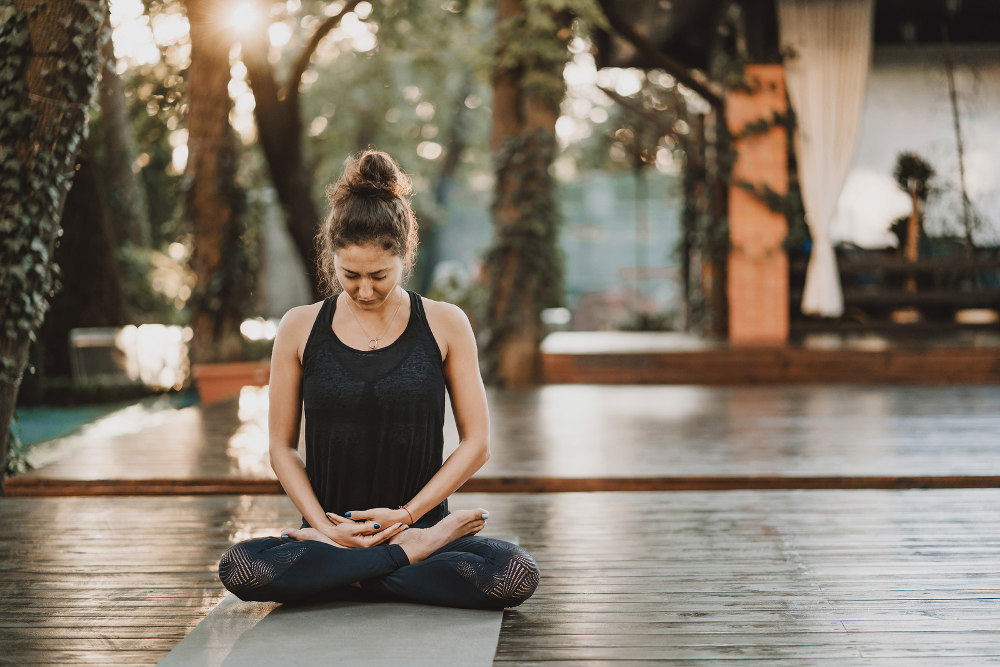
{"points": [[836, 577]]}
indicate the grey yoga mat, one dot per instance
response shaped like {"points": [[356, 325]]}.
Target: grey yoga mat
{"points": [[239, 634]]}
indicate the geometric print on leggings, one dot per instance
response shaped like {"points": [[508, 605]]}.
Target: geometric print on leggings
{"points": [[513, 584], [242, 570]]}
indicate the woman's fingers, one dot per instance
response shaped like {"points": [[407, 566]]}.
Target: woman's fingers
{"points": [[359, 515], [369, 528], [336, 518], [384, 534]]}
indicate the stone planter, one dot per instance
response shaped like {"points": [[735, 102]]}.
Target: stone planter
{"points": [[217, 382]]}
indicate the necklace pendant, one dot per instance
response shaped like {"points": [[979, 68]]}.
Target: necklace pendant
{"points": [[372, 343]]}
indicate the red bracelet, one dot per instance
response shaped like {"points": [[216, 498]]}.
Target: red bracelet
{"points": [[403, 507]]}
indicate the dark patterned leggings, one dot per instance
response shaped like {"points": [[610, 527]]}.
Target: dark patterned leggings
{"points": [[472, 572]]}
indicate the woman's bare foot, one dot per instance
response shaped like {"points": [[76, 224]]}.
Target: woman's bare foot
{"points": [[308, 534], [419, 543]]}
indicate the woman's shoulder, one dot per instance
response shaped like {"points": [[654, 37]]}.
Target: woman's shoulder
{"points": [[445, 314], [295, 327], [300, 315], [450, 326]]}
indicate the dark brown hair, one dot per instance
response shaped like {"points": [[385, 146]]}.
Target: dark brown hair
{"points": [[369, 204]]}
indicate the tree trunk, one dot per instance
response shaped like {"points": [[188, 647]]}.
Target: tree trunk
{"points": [[430, 230], [50, 53], [214, 203], [93, 293], [524, 264], [124, 197], [279, 131], [292, 181]]}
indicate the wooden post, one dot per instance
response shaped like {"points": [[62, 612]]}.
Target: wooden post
{"points": [[758, 266]]}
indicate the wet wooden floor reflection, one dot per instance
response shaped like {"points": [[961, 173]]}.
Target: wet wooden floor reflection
{"points": [[777, 577], [604, 431]]}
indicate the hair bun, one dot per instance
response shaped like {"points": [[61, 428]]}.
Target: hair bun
{"points": [[370, 189], [376, 175]]}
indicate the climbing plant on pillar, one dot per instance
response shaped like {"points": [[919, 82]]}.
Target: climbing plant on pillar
{"points": [[49, 58], [524, 264]]}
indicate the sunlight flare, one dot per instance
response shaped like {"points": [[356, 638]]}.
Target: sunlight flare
{"points": [[244, 18]]}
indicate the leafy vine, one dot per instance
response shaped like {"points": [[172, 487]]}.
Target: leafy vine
{"points": [[35, 176]]}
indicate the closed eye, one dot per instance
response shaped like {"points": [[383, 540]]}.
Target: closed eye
{"points": [[355, 276]]}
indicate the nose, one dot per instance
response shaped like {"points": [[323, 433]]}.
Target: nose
{"points": [[365, 291]]}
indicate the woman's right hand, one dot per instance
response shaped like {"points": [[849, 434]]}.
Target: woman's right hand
{"points": [[353, 534]]}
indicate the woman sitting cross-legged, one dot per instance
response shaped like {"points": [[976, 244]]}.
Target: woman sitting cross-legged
{"points": [[370, 366]]}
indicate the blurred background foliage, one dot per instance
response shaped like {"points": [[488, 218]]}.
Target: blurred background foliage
{"points": [[410, 78]]}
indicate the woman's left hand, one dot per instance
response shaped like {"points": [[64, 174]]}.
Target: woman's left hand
{"points": [[380, 515]]}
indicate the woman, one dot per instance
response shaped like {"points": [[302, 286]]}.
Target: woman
{"points": [[370, 366]]}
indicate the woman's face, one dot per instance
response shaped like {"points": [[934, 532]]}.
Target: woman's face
{"points": [[368, 273]]}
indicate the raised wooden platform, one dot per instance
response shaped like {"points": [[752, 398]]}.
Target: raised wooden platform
{"points": [[725, 365], [776, 577], [574, 437]]}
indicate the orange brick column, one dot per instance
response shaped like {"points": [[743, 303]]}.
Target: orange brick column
{"points": [[758, 265]]}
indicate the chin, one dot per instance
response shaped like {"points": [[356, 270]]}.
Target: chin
{"points": [[369, 303]]}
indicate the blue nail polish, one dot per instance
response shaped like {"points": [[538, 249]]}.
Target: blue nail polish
{"points": [[347, 514], [376, 526], [486, 515]]}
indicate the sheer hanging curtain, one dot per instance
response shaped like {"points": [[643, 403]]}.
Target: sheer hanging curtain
{"points": [[831, 43]]}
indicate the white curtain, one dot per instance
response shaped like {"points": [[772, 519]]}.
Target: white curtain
{"points": [[828, 45]]}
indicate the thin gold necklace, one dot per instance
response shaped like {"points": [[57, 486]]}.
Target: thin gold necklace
{"points": [[373, 341]]}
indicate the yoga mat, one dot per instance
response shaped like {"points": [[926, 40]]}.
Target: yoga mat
{"points": [[239, 634]]}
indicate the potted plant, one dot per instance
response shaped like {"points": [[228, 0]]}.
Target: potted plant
{"points": [[221, 380]]}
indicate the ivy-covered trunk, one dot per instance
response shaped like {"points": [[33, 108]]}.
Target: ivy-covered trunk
{"points": [[524, 263], [50, 53], [215, 205]]}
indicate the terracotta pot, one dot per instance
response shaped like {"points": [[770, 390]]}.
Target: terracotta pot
{"points": [[217, 382]]}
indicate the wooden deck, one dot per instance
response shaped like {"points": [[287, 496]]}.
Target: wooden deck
{"points": [[822, 554], [775, 577]]}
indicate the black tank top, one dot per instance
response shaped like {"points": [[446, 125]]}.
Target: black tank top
{"points": [[374, 418]]}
